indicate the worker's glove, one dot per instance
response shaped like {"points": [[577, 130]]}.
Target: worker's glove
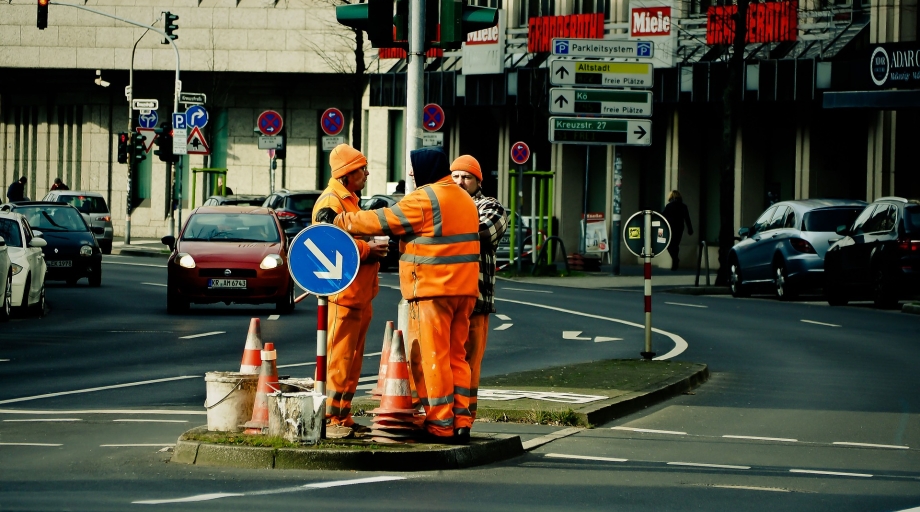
{"points": [[325, 216]]}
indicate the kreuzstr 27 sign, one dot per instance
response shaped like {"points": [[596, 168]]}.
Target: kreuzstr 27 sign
{"points": [[892, 65]]}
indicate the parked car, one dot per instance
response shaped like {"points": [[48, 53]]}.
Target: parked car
{"points": [[878, 257], [293, 208], [383, 201], [235, 200], [94, 210], [503, 250], [27, 272], [6, 281], [229, 254], [785, 248]]}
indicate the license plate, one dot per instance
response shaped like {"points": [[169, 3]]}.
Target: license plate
{"points": [[227, 283], [59, 263]]}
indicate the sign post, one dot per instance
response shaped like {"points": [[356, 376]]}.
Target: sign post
{"points": [[617, 209], [520, 153], [270, 123], [647, 234]]}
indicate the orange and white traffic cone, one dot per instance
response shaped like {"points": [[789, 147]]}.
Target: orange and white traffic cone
{"points": [[395, 420], [384, 359], [252, 360], [268, 383]]}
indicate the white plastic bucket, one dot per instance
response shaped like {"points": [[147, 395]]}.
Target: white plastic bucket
{"points": [[230, 396]]}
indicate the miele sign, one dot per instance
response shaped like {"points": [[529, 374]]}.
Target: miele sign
{"points": [[484, 36], [484, 50], [650, 22]]}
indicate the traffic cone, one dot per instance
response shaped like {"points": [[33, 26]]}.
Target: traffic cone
{"points": [[268, 383], [252, 360], [384, 359], [395, 420]]}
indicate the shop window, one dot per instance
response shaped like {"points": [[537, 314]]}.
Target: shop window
{"points": [[396, 163]]}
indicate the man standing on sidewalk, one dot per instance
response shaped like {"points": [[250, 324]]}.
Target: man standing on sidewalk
{"points": [[493, 220]]}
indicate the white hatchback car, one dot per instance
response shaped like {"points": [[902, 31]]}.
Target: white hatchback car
{"points": [[24, 248], [6, 282]]}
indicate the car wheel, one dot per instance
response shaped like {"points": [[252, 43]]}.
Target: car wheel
{"points": [[286, 305], [883, 293], [735, 280], [95, 279], [174, 303], [784, 290], [7, 306], [105, 246]]}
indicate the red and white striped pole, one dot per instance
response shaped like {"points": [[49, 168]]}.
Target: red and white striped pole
{"points": [[321, 323], [647, 255]]}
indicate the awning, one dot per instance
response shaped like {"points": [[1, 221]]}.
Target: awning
{"points": [[882, 100]]}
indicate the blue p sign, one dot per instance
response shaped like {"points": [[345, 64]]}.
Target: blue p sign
{"points": [[179, 121], [644, 49], [561, 47]]}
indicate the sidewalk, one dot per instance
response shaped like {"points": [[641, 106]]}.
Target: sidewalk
{"points": [[149, 247], [631, 276]]}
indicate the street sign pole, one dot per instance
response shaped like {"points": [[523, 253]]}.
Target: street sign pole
{"points": [[415, 82], [520, 222], [647, 254], [322, 319], [583, 245], [617, 209]]}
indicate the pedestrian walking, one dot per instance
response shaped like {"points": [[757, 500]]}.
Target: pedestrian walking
{"points": [[17, 190], [58, 185], [438, 273], [221, 189], [677, 214], [350, 310], [493, 221]]}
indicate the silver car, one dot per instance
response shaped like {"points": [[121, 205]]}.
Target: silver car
{"points": [[94, 210], [6, 282]]}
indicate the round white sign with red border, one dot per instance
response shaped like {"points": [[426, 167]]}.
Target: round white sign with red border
{"points": [[432, 117], [520, 153], [270, 123], [333, 122]]}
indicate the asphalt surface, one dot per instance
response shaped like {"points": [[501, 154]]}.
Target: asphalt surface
{"points": [[808, 408]]}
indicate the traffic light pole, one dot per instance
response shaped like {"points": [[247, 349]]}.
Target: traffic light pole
{"points": [[177, 89], [415, 83]]}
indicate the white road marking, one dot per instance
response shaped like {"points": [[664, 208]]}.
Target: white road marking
{"points": [[584, 457], [155, 284], [390, 286], [751, 488], [869, 445], [502, 327], [819, 323], [368, 378], [914, 509], [317, 485], [701, 465], [680, 345], [757, 438], [686, 305], [274, 317], [30, 444], [132, 264], [504, 318], [548, 438], [100, 388], [45, 419], [201, 335], [574, 335], [313, 363], [150, 421], [831, 473], [363, 387], [601, 339], [145, 445], [650, 431], [109, 411], [4, 360], [527, 290]]}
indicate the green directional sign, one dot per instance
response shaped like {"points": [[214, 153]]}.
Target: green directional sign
{"points": [[601, 73], [565, 100], [595, 131]]}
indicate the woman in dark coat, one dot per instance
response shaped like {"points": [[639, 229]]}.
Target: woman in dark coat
{"points": [[676, 213]]}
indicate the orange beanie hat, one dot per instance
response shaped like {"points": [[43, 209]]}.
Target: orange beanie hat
{"points": [[469, 164], [345, 159]]}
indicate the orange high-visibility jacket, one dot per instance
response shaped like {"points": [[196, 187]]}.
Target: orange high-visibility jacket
{"points": [[365, 286], [438, 226]]}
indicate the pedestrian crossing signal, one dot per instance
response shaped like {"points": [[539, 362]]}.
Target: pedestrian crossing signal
{"points": [[123, 140], [42, 21]]}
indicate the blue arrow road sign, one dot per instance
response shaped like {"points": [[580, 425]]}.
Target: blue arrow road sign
{"points": [[323, 259], [148, 120], [196, 115], [179, 121]]}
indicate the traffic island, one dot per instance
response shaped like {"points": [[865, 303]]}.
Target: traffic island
{"points": [[200, 447], [913, 309]]}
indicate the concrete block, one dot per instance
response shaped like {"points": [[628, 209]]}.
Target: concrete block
{"points": [[18, 57], [100, 58], [77, 37], [116, 37], [250, 19], [9, 35], [220, 16], [286, 19], [285, 62], [31, 36], [226, 39], [221, 60], [57, 57], [296, 41], [165, 59], [200, 18], [198, 39], [266, 40], [141, 14], [241, 122]]}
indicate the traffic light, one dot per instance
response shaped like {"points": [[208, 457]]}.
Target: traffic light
{"points": [[282, 151], [374, 17], [164, 142], [123, 141], [169, 25], [459, 19], [42, 14], [138, 148], [401, 21]]}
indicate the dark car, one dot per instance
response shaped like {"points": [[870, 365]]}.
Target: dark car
{"points": [[235, 200], [293, 208], [878, 257], [784, 249], [229, 254], [72, 252], [383, 201]]}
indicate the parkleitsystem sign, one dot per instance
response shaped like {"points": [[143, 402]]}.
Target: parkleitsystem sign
{"points": [[564, 100], [600, 132]]}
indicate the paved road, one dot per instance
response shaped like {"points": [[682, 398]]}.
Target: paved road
{"points": [[809, 407]]}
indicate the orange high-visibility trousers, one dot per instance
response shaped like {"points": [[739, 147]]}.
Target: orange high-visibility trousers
{"points": [[438, 330], [347, 330], [475, 348]]}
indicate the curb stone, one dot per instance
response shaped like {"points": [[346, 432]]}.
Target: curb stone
{"points": [[913, 309], [141, 252], [700, 290]]}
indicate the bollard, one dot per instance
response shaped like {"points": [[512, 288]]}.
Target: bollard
{"points": [[322, 319], [647, 255]]}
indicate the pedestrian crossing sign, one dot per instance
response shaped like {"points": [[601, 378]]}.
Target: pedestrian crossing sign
{"points": [[635, 233], [196, 143]]}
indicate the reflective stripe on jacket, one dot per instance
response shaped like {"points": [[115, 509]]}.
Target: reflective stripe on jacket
{"points": [[440, 250], [365, 286]]}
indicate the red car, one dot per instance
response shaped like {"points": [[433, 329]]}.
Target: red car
{"points": [[229, 254]]}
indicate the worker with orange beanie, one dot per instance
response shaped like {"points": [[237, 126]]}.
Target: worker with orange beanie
{"points": [[493, 221], [438, 274], [350, 310]]}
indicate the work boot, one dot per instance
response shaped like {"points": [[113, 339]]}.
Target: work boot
{"points": [[462, 435], [339, 432]]}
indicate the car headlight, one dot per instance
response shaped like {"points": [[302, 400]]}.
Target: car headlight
{"points": [[271, 261], [16, 269], [86, 250], [185, 260]]}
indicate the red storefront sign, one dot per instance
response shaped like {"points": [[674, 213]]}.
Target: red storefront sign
{"points": [[650, 21], [399, 53], [542, 30], [767, 22], [484, 36]]}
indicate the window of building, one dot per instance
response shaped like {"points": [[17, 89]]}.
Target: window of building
{"points": [[396, 163], [536, 8]]}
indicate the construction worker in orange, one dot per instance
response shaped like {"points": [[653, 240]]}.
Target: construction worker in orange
{"points": [[350, 310], [438, 273], [493, 221]]}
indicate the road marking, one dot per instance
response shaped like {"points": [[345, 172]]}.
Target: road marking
{"points": [[819, 323], [30, 444], [46, 419], [274, 317], [101, 388], [504, 318], [650, 431], [756, 438], [584, 457], [168, 332], [132, 264], [502, 327], [751, 488], [145, 445], [527, 290], [150, 421], [4, 360], [680, 345], [601, 339], [574, 335], [167, 412], [701, 465], [831, 473], [869, 445], [368, 378], [548, 438], [201, 335], [686, 305], [155, 284], [312, 363], [317, 485]]}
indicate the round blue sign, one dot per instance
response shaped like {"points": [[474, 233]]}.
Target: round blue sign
{"points": [[196, 115], [323, 259], [148, 120]]}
